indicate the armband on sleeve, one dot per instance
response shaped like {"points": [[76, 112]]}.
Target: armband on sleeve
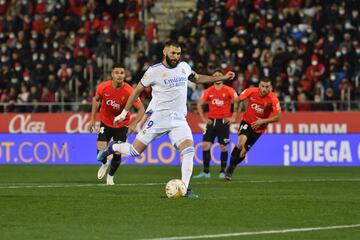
{"points": [[191, 77]]}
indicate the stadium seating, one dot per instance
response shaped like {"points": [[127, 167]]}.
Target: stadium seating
{"points": [[54, 53]]}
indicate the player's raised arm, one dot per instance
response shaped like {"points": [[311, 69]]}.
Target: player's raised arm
{"points": [[200, 78], [134, 95]]}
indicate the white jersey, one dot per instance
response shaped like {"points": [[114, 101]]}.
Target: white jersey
{"points": [[169, 87]]}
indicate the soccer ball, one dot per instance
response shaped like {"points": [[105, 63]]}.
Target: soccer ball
{"points": [[175, 188]]}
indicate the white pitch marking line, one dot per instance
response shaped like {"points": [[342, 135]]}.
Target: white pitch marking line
{"points": [[23, 185], [303, 180], [76, 185], [290, 230], [49, 186], [20, 185]]}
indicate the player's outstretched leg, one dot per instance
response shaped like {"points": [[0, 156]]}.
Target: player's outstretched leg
{"points": [[102, 155]]}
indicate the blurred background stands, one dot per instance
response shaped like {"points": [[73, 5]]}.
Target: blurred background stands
{"points": [[54, 53]]}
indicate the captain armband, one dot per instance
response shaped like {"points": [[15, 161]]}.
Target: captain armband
{"points": [[192, 77]]}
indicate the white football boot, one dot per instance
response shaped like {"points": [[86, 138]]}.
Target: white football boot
{"points": [[103, 169], [109, 180]]}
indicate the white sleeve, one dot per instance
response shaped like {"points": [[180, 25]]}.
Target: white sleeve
{"points": [[188, 69], [147, 80]]}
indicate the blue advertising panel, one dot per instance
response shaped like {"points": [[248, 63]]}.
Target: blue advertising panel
{"points": [[271, 149], [306, 150], [47, 148]]}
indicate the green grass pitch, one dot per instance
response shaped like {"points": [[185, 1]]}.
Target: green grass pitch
{"points": [[68, 202]]}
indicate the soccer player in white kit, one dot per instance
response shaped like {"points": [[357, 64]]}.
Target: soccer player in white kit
{"points": [[167, 109]]}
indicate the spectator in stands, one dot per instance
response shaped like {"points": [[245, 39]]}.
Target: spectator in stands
{"points": [[34, 98], [46, 97], [270, 37], [151, 30], [316, 71], [10, 98], [64, 73], [303, 104], [23, 97]]}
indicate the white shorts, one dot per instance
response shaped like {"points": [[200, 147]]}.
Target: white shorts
{"points": [[160, 123]]}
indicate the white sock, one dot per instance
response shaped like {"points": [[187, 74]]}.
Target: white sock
{"points": [[187, 164], [126, 149]]}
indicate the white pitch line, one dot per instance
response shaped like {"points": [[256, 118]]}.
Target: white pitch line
{"points": [[20, 185], [77, 185], [26, 185], [49, 186], [303, 180], [290, 230]]}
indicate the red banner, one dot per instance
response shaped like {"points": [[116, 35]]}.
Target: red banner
{"points": [[301, 122]]}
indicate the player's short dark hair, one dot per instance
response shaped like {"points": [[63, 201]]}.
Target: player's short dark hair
{"points": [[172, 43], [265, 79], [117, 65], [218, 70]]}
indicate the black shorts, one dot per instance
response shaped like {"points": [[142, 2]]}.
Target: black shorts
{"points": [[106, 133], [218, 129], [252, 137]]}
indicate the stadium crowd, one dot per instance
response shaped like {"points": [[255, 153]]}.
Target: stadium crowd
{"points": [[310, 49], [51, 49]]}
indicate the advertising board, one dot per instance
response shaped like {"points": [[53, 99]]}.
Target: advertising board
{"points": [[297, 122], [271, 149]]}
